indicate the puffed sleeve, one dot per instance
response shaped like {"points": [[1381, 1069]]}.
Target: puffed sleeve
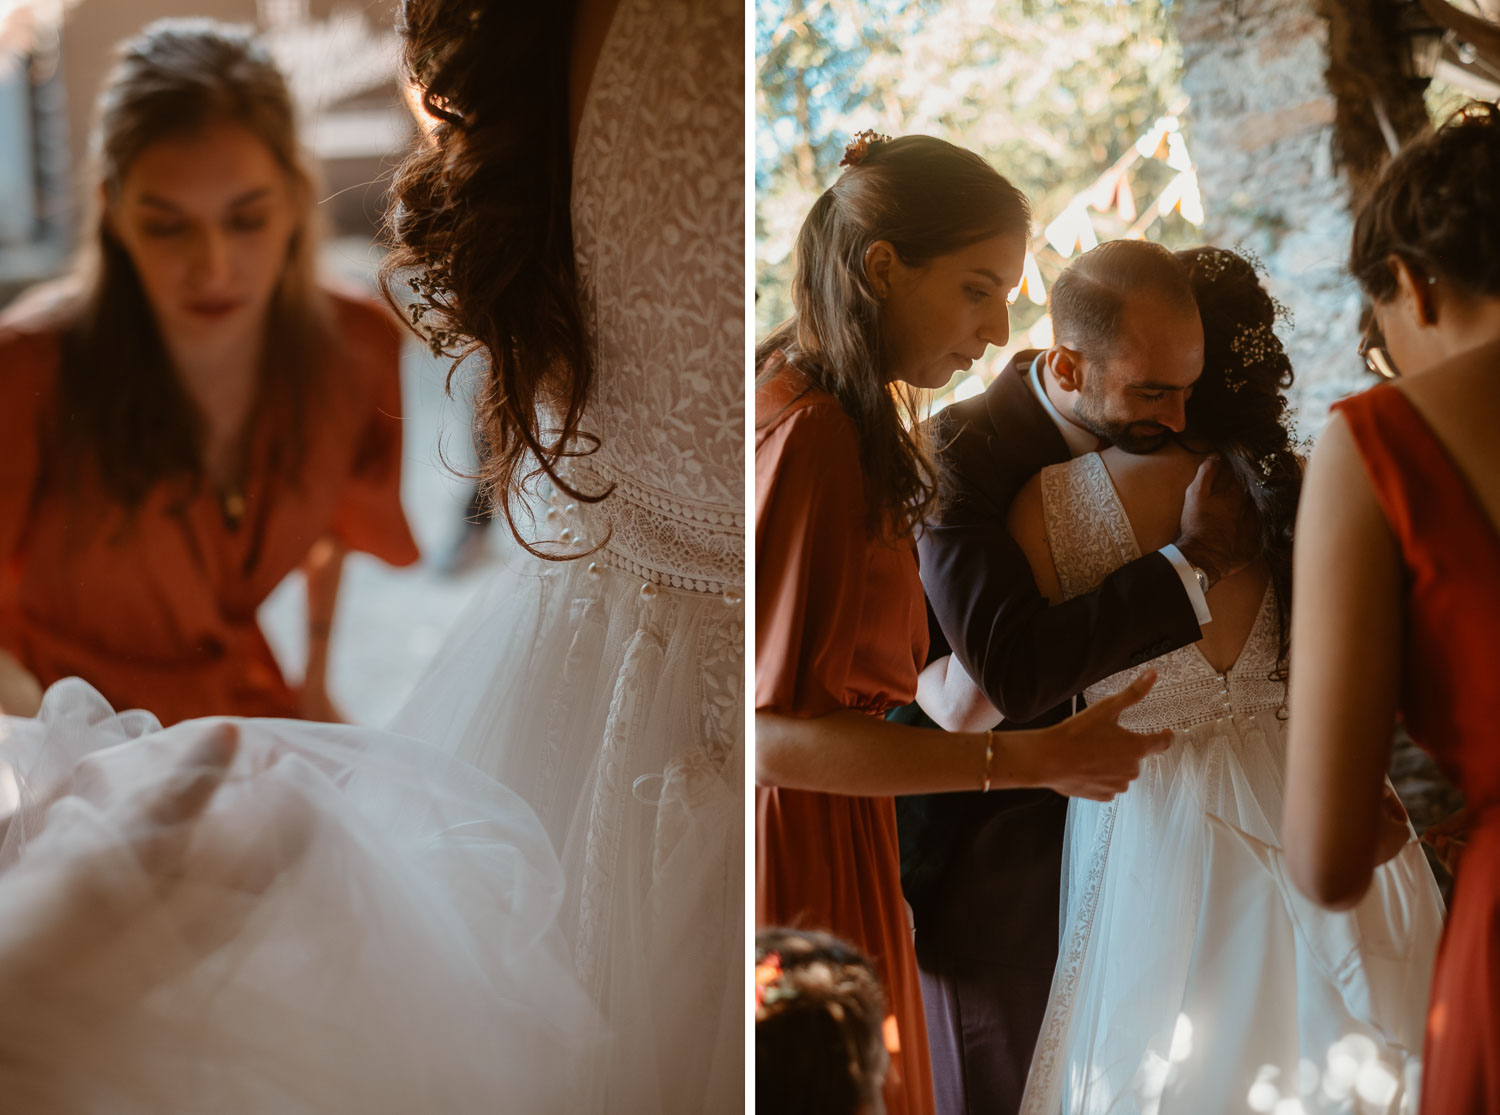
{"points": [[28, 366], [369, 515], [811, 559]]}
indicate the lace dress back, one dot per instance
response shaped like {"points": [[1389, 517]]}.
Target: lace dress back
{"points": [[658, 226], [608, 690], [1191, 975]]}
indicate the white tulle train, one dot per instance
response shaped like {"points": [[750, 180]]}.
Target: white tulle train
{"points": [[358, 924]]}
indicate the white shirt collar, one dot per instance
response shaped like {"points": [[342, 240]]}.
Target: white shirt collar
{"points": [[1079, 440]]}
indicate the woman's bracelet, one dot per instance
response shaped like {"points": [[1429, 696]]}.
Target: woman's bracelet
{"points": [[989, 760]]}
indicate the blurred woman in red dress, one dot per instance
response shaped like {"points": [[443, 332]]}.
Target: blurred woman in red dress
{"points": [[1398, 579], [190, 416]]}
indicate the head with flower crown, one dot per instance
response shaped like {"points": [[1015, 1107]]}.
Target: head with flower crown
{"points": [[819, 1026], [902, 270]]}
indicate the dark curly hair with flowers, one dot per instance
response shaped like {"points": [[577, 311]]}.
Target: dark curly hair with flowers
{"points": [[480, 224], [1239, 408], [819, 1025], [1436, 206]]}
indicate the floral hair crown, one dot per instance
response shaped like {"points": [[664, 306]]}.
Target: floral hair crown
{"points": [[859, 149]]}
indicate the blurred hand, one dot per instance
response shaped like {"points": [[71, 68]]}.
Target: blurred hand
{"points": [[20, 692], [1218, 532], [1394, 831], [1447, 839], [314, 703], [1090, 755], [134, 877]]}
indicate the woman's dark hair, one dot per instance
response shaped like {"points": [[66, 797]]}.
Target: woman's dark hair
{"points": [[1239, 406], [123, 407], [928, 198], [1436, 206], [819, 1025], [482, 231]]}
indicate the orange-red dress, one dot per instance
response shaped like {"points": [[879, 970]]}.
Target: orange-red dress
{"points": [[840, 623], [156, 608], [1450, 700]]}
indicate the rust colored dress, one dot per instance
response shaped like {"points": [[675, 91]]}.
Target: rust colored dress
{"points": [[157, 608], [840, 623], [1450, 700]]}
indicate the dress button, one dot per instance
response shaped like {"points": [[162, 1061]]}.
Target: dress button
{"points": [[594, 568], [566, 536], [649, 591], [732, 598]]}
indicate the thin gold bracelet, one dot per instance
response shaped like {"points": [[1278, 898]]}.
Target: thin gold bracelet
{"points": [[989, 759]]}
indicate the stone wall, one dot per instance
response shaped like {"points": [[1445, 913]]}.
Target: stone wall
{"points": [[1260, 124]]}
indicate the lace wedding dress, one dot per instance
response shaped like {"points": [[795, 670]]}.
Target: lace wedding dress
{"points": [[608, 690], [1192, 976]]}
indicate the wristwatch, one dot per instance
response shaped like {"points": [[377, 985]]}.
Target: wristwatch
{"points": [[1202, 578]]}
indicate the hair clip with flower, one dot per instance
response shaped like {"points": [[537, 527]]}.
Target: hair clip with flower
{"points": [[769, 989], [859, 147]]}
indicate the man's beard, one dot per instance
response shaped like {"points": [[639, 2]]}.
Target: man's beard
{"points": [[1088, 412]]}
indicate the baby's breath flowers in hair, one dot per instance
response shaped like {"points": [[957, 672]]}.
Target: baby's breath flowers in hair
{"points": [[860, 146]]}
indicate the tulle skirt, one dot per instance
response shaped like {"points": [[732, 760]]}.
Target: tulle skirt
{"points": [[615, 709], [1193, 976], [358, 923]]}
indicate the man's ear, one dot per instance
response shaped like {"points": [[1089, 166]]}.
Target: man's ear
{"points": [[880, 262], [1416, 286], [1066, 366]]}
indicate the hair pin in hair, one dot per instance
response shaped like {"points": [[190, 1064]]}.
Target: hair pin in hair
{"points": [[1254, 343], [859, 148], [769, 989], [1215, 263]]}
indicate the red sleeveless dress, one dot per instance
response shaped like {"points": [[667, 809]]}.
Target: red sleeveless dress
{"points": [[1450, 700]]}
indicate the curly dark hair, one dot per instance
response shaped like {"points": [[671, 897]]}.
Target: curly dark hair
{"points": [[928, 198], [482, 232], [819, 1017], [1436, 206], [1239, 406]]}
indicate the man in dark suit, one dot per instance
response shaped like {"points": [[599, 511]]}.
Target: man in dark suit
{"points": [[982, 871]]}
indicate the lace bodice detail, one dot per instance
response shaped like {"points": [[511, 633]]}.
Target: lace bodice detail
{"points": [[1091, 537], [658, 226]]}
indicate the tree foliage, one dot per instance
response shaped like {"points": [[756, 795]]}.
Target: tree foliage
{"points": [[1051, 93]]}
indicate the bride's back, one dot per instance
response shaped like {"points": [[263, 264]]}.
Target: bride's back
{"points": [[1152, 488]]}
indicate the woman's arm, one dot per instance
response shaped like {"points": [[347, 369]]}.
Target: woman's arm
{"points": [[323, 568], [1088, 756], [20, 692], [946, 693], [1345, 674]]}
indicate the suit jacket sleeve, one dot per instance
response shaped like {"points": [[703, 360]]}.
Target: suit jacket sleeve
{"points": [[1028, 657]]}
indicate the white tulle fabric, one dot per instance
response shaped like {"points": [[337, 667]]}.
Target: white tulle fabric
{"points": [[1192, 976], [608, 691], [362, 926]]}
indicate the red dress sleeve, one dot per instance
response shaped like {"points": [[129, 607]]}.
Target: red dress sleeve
{"points": [[369, 515], [811, 549]]}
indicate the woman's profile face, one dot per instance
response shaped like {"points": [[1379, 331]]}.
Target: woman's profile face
{"points": [[207, 220], [939, 318]]}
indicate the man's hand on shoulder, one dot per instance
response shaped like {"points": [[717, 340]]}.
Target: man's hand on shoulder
{"points": [[1218, 532]]}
